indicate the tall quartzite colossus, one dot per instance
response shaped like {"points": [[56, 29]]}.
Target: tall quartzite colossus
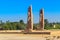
{"points": [[41, 19], [30, 19]]}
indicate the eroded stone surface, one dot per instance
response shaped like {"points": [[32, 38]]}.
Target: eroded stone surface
{"points": [[41, 19], [30, 19]]}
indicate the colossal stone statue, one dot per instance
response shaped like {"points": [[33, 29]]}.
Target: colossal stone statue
{"points": [[30, 19], [41, 19]]}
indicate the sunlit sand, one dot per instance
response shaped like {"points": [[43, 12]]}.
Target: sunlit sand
{"points": [[55, 35]]}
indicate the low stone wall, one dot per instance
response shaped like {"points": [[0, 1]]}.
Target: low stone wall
{"points": [[49, 32], [11, 31]]}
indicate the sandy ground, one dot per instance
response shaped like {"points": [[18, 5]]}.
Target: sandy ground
{"points": [[55, 35], [25, 37], [19, 37]]}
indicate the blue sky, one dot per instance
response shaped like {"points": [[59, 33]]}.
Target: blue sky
{"points": [[15, 10]]}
